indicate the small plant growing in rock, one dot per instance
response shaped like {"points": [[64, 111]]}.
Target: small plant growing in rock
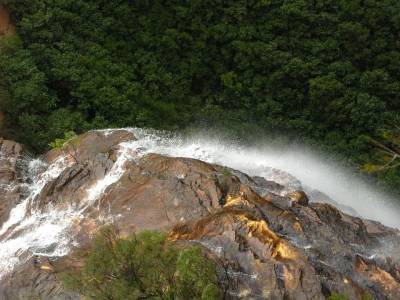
{"points": [[224, 181], [336, 296], [144, 266], [68, 144], [59, 143]]}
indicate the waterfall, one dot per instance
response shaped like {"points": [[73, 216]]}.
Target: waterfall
{"points": [[48, 231], [36, 230], [298, 163]]}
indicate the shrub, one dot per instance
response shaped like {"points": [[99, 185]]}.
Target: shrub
{"points": [[59, 143], [144, 266], [336, 296]]}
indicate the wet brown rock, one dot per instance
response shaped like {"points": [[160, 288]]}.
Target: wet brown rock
{"points": [[263, 264], [86, 146], [264, 186], [91, 156], [298, 197], [379, 277], [157, 192], [310, 257], [35, 279], [71, 187], [318, 196]]}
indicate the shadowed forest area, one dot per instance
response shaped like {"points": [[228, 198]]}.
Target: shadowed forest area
{"points": [[323, 72]]}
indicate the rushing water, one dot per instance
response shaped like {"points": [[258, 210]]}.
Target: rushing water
{"points": [[48, 231], [37, 230], [312, 169]]}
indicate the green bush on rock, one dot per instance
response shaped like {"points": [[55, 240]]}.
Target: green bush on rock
{"points": [[59, 143], [144, 266]]}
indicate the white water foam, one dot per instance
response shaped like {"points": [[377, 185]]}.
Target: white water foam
{"points": [[18, 213], [126, 153]]}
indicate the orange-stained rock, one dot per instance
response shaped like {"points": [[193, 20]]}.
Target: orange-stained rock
{"points": [[6, 27], [298, 197], [386, 281]]}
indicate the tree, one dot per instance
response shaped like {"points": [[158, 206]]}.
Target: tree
{"points": [[387, 146], [313, 69], [336, 296]]}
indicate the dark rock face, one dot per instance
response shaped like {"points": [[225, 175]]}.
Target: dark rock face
{"points": [[10, 176], [317, 196], [36, 278], [6, 27], [268, 244]]}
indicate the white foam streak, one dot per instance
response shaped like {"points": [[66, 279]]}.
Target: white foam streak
{"points": [[44, 234], [125, 153], [18, 213]]}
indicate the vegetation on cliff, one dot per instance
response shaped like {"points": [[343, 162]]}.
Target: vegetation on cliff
{"points": [[323, 70], [145, 266]]}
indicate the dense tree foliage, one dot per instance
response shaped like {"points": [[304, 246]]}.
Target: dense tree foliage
{"points": [[326, 71], [386, 159], [145, 266]]}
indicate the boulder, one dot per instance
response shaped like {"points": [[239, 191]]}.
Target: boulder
{"points": [[299, 197], [88, 145]]}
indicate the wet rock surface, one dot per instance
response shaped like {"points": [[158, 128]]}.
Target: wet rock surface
{"points": [[269, 240]]}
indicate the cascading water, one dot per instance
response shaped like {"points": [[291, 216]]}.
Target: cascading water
{"points": [[36, 230], [301, 164], [48, 231], [31, 230]]}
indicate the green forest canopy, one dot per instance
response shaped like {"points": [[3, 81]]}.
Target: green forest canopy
{"points": [[327, 70]]}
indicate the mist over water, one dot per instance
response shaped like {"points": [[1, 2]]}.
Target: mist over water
{"points": [[314, 170]]}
